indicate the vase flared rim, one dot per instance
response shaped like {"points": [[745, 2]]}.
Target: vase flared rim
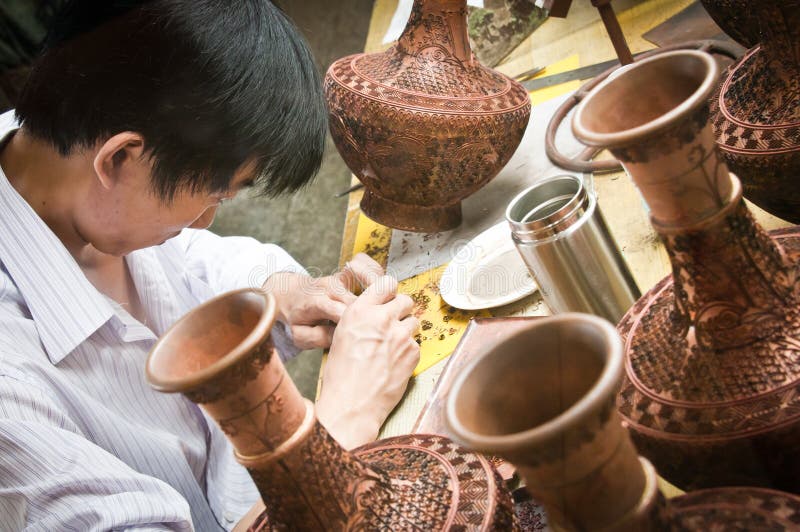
{"points": [[699, 97], [194, 379], [603, 389]]}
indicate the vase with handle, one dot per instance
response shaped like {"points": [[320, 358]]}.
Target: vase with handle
{"points": [[712, 382]]}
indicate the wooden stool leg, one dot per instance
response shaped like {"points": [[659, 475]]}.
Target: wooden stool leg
{"points": [[614, 31]]}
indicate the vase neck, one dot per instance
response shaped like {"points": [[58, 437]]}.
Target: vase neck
{"points": [[312, 482], [437, 26], [732, 282]]}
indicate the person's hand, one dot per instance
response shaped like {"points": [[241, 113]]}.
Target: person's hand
{"points": [[311, 307], [370, 361]]}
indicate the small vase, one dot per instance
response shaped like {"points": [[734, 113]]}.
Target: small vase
{"points": [[756, 111], [424, 125], [711, 391], [220, 356], [543, 397]]}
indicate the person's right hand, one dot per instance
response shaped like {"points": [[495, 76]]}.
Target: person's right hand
{"points": [[370, 361]]}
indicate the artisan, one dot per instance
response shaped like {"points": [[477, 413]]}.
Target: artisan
{"points": [[137, 121]]}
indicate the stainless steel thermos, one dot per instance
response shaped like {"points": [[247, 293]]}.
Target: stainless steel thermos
{"points": [[562, 237]]}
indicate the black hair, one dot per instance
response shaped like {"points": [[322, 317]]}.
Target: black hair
{"points": [[209, 84]]}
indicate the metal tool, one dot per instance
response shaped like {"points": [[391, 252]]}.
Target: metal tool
{"points": [[353, 188], [562, 237], [528, 74], [585, 72]]}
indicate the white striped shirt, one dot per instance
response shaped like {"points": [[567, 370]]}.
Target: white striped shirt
{"points": [[85, 444]]}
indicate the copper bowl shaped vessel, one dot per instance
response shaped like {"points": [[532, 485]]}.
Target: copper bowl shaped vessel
{"points": [[424, 125]]}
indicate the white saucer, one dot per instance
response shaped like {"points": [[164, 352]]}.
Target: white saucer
{"points": [[487, 272]]}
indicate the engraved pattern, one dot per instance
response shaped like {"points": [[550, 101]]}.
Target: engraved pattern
{"points": [[712, 384], [420, 125], [735, 509], [419, 482], [232, 379], [756, 112], [735, 17], [665, 141]]}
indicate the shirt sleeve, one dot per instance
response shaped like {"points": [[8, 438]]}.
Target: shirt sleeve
{"points": [[234, 262], [52, 478]]}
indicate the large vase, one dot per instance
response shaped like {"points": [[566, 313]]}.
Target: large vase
{"points": [[220, 356], [424, 124], [735, 17], [543, 398], [756, 111], [712, 383]]}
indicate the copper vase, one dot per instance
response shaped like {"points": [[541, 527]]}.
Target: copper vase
{"points": [[712, 376], [756, 111], [543, 397], [220, 356], [735, 17], [424, 125]]}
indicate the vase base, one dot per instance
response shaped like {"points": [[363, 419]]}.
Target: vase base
{"points": [[416, 218]]}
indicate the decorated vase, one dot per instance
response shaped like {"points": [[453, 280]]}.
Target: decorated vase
{"points": [[543, 397], [756, 111], [711, 393], [221, 357], [424, 125]]}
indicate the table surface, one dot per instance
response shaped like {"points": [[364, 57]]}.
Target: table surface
{"points": [[562, 44]]}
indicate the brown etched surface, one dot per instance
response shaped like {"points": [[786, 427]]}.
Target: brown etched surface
{"points": [[424, 124], [674, 137], [712, 387], [307, 481], [756, 112], [735, 17], [420, 482], [735, 509], [234, 377]]}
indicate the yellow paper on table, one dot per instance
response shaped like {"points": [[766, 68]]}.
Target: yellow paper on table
{"points": [[441, 325], [373, 239], [548, 93]]}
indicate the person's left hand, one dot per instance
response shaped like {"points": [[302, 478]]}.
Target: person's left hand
{"points": [[311, 307]]}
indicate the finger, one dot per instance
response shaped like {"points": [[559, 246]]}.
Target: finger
{"points": [[383, 290], [410, 325], [338, 291], [362, 271], [330, 309], [312, 336], [401, 306], [409, 358]]}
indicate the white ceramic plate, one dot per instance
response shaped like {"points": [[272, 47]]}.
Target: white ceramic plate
{"points": [[487, 272]]}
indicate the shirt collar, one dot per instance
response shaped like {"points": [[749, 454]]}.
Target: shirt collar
{"points": [[64, 305]]}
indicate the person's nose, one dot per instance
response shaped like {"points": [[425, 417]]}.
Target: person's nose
{"points": [[205, 219]]}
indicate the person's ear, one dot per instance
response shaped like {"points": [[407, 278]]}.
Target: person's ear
{"points": [[120, 156]]}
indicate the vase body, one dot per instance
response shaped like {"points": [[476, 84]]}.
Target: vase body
{"points": [[550, 411], [756, 111], [220, 356], [424, 124], [735, 17], [710, 393]]}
